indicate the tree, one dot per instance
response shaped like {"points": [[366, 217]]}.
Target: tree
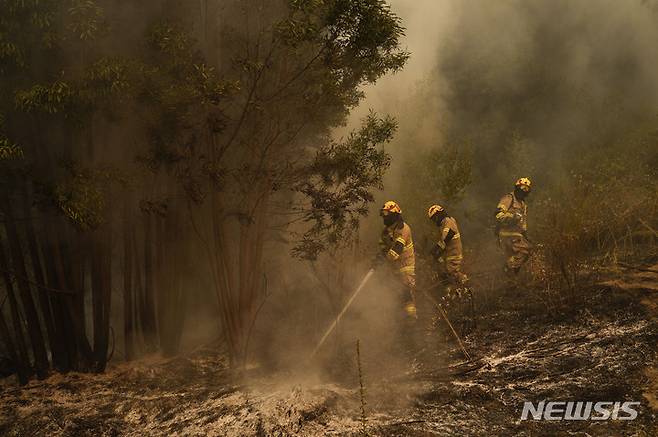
{"points": [[248, 139], [298, 74], [223, 139]]}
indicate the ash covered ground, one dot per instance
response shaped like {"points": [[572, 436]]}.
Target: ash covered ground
{"points": [[601, 346]]}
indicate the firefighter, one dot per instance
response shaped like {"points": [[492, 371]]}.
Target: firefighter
{"points": [[447, 251], [397, 250], [448, 248], [512, 226]]}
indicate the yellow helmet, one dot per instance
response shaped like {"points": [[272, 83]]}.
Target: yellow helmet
{"points": [[524, 184], [433, 210], [390, 207]]}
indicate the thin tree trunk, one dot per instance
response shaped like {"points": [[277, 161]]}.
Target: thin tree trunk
{"points": [[44, 299], [101, 286], [173, 304], [161, 280], [65, 302], [253, 286], [148, 308], [66, 267], [76, 303], [228, 310], [11, 350], [97, 302], [140, 299], [107, 287], [22, 361], [56, 301], [128, 323], [177, 268], [18, 263]]}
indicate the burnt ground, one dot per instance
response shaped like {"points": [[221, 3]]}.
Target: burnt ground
{"points": [[597, 344]]}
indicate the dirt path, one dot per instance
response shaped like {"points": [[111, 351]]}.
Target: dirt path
{"points": [[604, 352]]}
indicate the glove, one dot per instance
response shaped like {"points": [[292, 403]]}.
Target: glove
{"points": [[436, 251], [410, 309], [410, 305]]}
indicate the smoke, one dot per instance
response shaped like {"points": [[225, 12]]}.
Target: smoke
{"points": [[531, 86], [562, 76], [305, 298]]}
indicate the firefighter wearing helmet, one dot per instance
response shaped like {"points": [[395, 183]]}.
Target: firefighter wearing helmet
{"points": [[397, 250], [448, 248], [512, 226]]}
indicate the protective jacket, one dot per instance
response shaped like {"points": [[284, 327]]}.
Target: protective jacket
{"points": [[512, 225], [449, 249], [397, 245], [511, 216]]}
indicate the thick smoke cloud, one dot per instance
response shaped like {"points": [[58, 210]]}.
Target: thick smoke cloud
{"points": [[530, 85], [562, 75]]}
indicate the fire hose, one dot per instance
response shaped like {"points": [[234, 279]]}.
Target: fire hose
{"points": [[364, 281]]}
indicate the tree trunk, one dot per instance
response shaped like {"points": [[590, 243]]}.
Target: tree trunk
{"points": [[128, 295], [22, 359], [107, 287], [5, 335], [76, 303], [97, 306], [101, 295], [253, 285], [20, 271], [161, 279], [228, 311], [56, 300], [64, 300], [172, 303], [177, 268], [140, 299], [56, 348], [148, 307]]}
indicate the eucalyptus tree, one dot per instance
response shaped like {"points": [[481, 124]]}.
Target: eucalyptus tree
{"points": [[131, 129]]}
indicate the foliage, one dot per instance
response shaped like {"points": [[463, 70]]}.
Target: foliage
{"points": [[303, 84], [51, 98], [338, 182], [443, 172], [107, 77], [435, 175], [83, 196], [604, 207], [87, 20], [9, 150], [26, 27]]}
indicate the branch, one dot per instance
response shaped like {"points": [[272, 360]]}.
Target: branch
{"points": [[295, 76], [36, 284], [248, 103]]}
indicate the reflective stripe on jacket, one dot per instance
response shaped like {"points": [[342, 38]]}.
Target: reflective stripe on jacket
{"points": [[452, 251], [399, 237]]}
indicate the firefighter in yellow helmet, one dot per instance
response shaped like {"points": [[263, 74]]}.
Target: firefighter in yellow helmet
{"points": [[448, 248], [397, 250], [447, 251], [512, 226]]}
